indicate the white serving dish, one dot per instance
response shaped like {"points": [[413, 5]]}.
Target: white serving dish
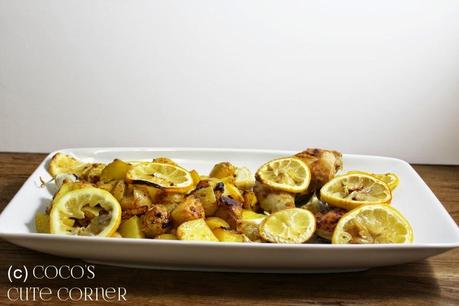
{"points": [[435, 231]]}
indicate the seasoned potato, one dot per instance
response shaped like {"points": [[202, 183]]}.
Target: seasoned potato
{"points": [[195, 230], [222, 170], [131, 228], [138, 198], [215, 222], [271, 200], [118, 190], [156, 221], [250, 201], [190, 209], [172, 197], [42, 223], [196, 178], [166, 237], [116, 235], [244, 178], [248, 214], [230, 190], [227, 235], [92, 172], [229, 210], [116, 170], [249, 227], [208, 200], [106, 185]]}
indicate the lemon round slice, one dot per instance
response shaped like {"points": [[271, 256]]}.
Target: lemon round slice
{"points": [[161, 175], [373, 224], [288, 174], [391, 179], [351, 190], [85, 212], [293, 225]]}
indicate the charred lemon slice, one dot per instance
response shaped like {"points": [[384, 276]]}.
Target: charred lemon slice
{"points": [[351, 190], [293, 225], [288, 174], [373, 224], [161, 175], [85, 212], [391, 179], [63, 163]]}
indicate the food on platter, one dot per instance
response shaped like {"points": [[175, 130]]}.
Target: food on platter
{"points": [[304, 198]]}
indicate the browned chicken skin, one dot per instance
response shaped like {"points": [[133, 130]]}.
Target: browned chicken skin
{"points": [[326, 222], [324, 164]]}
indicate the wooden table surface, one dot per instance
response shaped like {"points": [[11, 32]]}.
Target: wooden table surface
{"points": [[435, 280]]}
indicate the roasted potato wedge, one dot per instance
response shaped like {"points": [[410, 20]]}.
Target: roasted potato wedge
{"points": [[131, 228], [244, 178], [208, 200], [229, 210], [188, 210], [250, 201], [195, 230], [223, 170], [116, 170], [42, 223], [227, 235], [215, 222], [273, 200]]}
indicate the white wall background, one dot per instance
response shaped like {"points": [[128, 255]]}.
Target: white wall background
{"points": [[370, 77]]}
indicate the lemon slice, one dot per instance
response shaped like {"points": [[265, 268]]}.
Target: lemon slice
{"points": [[69, 210], [161, 175], [391, 179], [373, 224], [63, 163], [287, 174], [351, 190], [293, 225]]}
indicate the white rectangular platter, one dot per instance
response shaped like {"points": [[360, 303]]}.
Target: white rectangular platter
{"points": [[434, 230]]}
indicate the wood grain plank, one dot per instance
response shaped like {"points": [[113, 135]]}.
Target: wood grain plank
{"points": [[433, 281]]}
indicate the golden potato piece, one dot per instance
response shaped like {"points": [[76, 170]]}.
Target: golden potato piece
{"points": [[215, 222], [244, 178], [195, 230], [118, 190], [250, 201], [227, 235], [131, 228], [273, 200], [230, 190], [42, 223], [116, 170], [222, 170], [207, 198], [229, 210], [248, 214], [249, 227], [190, 209]]}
